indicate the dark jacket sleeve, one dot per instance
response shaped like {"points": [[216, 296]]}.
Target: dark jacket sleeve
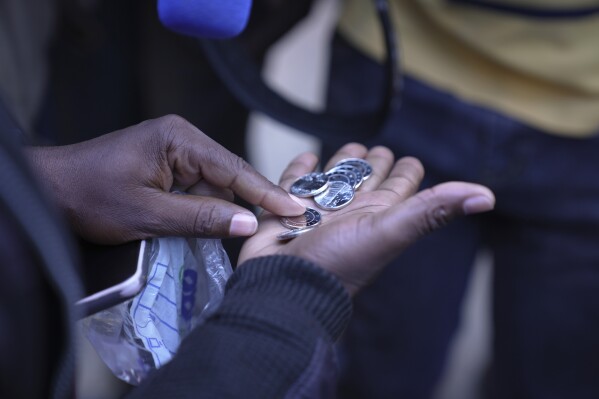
{"points": [[272, 337]]}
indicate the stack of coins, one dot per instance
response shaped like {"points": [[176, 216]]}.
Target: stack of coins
{"points": [[331, 190]]}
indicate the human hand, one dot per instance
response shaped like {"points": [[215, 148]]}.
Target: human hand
{"points": [[116, 188], [386, 215]]}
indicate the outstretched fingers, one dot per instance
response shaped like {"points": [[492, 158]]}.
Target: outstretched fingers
{"points": [[431, 209], [350, 150], [381, 160], [403, 180]]}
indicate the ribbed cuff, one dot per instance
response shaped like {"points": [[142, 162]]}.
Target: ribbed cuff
{"points": [[297, 281]]}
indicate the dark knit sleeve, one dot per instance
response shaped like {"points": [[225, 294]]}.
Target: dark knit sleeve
{"points": [[271, 337]]}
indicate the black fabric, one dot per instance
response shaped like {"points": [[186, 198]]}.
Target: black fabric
{"points": [[542, 12], [25, 305], [39, 245], [277, 315], [243, 78]]}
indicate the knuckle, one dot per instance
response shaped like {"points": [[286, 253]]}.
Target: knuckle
{"points": [[219, 155], [240, 164], [169, 125], [435, 219], [173, 120], [208, 221], [436, 214], [170, 133]]}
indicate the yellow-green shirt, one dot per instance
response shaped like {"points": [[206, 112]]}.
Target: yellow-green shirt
{"points": [[542, 71]]}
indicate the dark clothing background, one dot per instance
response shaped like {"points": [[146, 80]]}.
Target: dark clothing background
{"points": [[114, 65], [27, 304], [543, 234]]}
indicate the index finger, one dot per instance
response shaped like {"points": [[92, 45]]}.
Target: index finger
{"points": [[191, 152], [233, 172]]}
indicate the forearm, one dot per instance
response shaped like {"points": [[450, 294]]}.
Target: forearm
{"points": [[61, 172], [272, 335], [49, 165]]}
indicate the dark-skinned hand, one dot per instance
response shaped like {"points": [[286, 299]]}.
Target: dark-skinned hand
{"points": [[117, 187], [386, 216]]}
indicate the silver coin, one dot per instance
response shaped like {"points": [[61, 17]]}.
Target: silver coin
{"points": [[338, 195], [348, 178], [309, 185], [291, 234], [355, 170], [310, 218], [364, 166], [349, 172]]}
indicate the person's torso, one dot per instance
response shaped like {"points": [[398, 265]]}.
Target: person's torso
{"points": [[535, 60]]}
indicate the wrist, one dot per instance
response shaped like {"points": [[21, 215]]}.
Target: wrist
{"points": [[296, 283], [49, 166]]}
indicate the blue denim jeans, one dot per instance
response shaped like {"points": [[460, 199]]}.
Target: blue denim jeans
{"points": [[544, 234]]}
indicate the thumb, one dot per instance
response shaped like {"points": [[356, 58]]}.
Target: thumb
{"points": [[433, 208], [192, 215]]}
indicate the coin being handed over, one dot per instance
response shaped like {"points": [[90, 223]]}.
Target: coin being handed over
{"points": [[310, 218], [310, 185]]}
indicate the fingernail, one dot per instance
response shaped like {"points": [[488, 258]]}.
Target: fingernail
{"points": [[243, 224], [298, 201], [478, 204]]}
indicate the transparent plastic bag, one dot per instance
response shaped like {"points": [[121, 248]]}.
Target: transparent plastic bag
{"points": [[186, 283]]}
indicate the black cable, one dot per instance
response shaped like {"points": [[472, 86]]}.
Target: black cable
{"points": [[243, 78], [392, 93]]}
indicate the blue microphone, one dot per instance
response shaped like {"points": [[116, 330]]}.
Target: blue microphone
{"points": [[215, 19]]}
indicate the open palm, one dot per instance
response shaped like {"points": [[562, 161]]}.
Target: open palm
{"points": [[386, 215]]}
